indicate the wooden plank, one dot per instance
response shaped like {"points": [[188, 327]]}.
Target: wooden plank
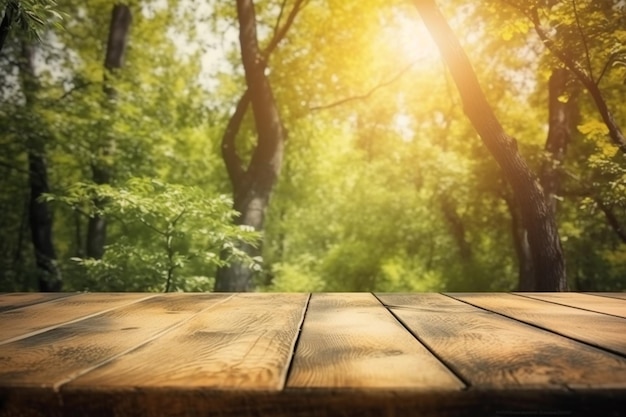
{"points": [[612, 306], [620, 295], [10, 301], [172, 401], [27, 321], [55, 356], [497, 353], [351, 341], [597, 329], [245, 343]]}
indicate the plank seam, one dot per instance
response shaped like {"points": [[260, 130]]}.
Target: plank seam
{"points": [[294, 346], [537, 326], [612, 297], [467, 384], [34, 303], [76, 320], [565, 305], [57, 386]]}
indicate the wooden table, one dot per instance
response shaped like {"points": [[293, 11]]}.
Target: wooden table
{"points": [[352, 354]]}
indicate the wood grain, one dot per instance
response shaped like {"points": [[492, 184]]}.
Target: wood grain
{"points": [[10, 301], [597, 329], [620, 295], [492, 352], [244, 343], [351, 341], [606, 305], [211, 355], [55, 356], [27, 321]]}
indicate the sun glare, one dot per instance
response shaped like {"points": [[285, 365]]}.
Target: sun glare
{"points": [[410, 40]]}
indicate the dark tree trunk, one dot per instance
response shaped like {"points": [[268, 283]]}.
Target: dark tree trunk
{"points": [[562, 120], [585, 78], [97, 224], [526, 272], [457, 228], [543, 237], [40, 219], [252, 187], [612, 219], [121, 19], [39, 214], [7, 21]]}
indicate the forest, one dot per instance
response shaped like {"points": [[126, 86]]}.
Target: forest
{"points": [[312, 145]]}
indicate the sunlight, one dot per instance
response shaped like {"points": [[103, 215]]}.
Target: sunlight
{"points": [[402, 125], [409, 40]]}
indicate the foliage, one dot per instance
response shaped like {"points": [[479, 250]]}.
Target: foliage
{"points": [[32, 17], [384, 186], [171, 233]]}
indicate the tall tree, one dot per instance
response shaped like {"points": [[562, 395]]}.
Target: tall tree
{"points": [[561, 122], [562, 119], [252, 186], [584, 75], [543, 237], [121, 19], [40, 216]]}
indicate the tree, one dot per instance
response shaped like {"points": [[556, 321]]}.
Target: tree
{"points": [[584, 75], [383, 185], [32, 16], [543, 238], [252, 186], [561, 123], [121, 19], [39, 213], [170, 229]]}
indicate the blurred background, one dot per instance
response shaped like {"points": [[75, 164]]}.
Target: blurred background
{"points": [[113, 120]]}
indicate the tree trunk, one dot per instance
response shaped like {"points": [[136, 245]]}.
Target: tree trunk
{"points": [[612, 219], [561, 120], [456, 227], [7, 21], [525, 270], [121, 19], [615, 133], [543, 237], [39, 215], [40, 219], [252, 187]]}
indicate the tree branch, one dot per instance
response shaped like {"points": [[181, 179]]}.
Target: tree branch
{"points": [[151, 227], [612, 220], [280, 34], [562, 56], [615, 132], [584, 40], [607, 64], [366, 95], [73, 89], [177, 217], [280, 16]]}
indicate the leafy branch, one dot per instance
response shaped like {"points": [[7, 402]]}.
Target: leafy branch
{"points": [[174, 215], [31, 16]]}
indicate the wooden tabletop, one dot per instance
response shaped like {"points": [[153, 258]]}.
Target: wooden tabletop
{"points": [[330, 354]]}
